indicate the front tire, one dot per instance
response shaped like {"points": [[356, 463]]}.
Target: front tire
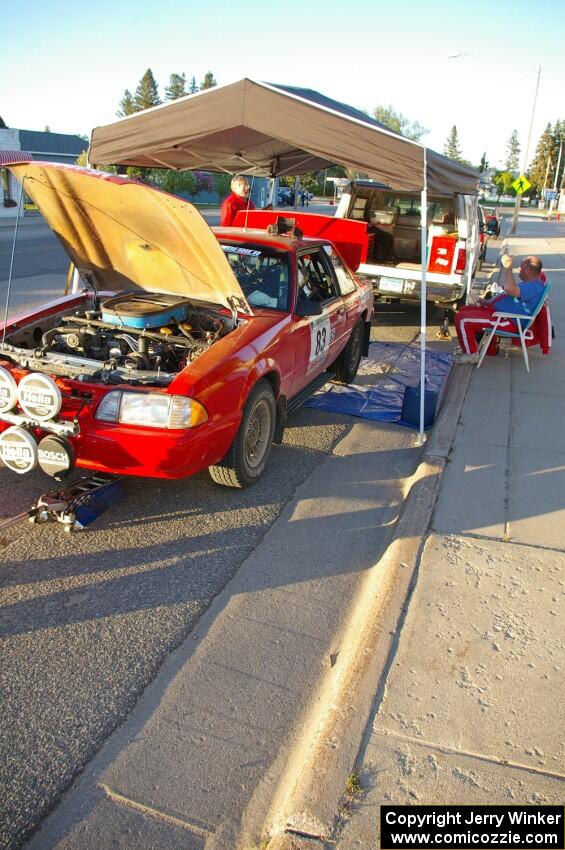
{"points": [[347, 363], [247, 456]]}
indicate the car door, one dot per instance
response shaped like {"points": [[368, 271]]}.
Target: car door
{"points": [[347, 289], [317, 338]]}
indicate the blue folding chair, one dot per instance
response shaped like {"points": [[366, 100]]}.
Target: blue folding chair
{"points": [[524, 324]]}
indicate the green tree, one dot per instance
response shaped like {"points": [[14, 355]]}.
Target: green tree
{"points": [[172, 181], [222, 183], [2, 125], [513, 152], [399, 123], [178, 182], [560, 144], [451, 147], [47, 129], [503, 181], [483, 163], [208, 82], [193, 88], [176, 87], [140, 175], [146, 93], [127, 105], [545, 154], [190, 184]]}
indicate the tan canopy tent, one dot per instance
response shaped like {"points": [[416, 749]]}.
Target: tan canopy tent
{"points": [[272, 130]]}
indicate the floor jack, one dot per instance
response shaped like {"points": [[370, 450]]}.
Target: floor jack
{"points": [[443, 332], [75, 505]]}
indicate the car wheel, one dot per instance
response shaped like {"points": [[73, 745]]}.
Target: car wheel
{"points": [[347, 363], [247, 457]]}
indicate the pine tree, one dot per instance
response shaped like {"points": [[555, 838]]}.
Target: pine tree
{"points": [[513, 152], [193, 88], [484, 163], [559, 133], [545, 152], [146, 93], [176, 87], [451, 147], [208, 82], [127, 105]]}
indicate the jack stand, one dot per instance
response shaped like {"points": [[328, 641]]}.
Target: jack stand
{"points": [[443, 332], [75, 506]]}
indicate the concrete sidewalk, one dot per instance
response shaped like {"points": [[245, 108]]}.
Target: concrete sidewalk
{"points": [[471, 710], [461, 686]]}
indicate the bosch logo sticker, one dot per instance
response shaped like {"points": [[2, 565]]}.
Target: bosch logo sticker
{"points": [[39, 397], [56, 456], [8, 391], [18, 450]]}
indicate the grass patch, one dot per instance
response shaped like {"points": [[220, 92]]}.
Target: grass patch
{"points": [[353, 786]]}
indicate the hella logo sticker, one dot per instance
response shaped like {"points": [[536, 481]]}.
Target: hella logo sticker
{"points": [[18, 450], [39, 397], [8, 391]]}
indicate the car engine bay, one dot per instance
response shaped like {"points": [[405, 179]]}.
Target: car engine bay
{"points": [[135, 337]]}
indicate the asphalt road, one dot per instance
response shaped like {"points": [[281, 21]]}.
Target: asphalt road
{"points": [[87, 619]]}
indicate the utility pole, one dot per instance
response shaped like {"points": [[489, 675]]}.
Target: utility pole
{"points": [[526, 154]]}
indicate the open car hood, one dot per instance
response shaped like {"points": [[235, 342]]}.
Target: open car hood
{"points": [[131, 236]]}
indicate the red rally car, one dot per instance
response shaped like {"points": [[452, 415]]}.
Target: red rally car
{"points": [[182, 348]]}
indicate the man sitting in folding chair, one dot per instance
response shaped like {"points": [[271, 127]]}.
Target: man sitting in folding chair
{"points": [[518, 299]]}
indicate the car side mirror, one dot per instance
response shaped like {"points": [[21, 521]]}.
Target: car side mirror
{"points": [[308, 308]]}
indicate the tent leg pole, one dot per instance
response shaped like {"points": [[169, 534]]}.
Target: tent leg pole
{"points": [[423, 298]]}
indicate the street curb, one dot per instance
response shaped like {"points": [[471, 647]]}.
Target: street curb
{"points": [[308, 800]]}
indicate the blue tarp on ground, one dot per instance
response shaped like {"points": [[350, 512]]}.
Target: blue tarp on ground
{"points": [[378, 391]]}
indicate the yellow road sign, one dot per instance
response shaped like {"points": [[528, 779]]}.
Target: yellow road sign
{"points": [[521, 184]]}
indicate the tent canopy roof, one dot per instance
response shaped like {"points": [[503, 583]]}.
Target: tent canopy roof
{"points": [[272, 130]]}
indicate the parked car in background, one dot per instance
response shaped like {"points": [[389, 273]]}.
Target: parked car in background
{"points": [[182, 349], [285, 196], [492, 220]]}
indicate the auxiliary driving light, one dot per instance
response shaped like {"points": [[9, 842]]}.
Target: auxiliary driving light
{"points": [[39, 396], [55, 456], [8, 391], [18, 450]]}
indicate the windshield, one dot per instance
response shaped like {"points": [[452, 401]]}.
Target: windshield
{"points": [[262, 273]]}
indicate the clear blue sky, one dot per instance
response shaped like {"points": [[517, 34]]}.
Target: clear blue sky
{"points": [[67, 65]]}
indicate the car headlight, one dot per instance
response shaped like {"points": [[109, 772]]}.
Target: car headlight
{"points": [[152, 410]]}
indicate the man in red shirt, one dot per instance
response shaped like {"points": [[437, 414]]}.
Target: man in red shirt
{"points": [[238, 200]]}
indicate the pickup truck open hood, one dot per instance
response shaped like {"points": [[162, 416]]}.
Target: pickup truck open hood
{"points": [[131, 236]]}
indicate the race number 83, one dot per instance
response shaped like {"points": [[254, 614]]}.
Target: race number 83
{"points": [[319, 339]]}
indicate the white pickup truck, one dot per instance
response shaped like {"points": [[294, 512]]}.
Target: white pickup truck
{"points": [[392, 260]]}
